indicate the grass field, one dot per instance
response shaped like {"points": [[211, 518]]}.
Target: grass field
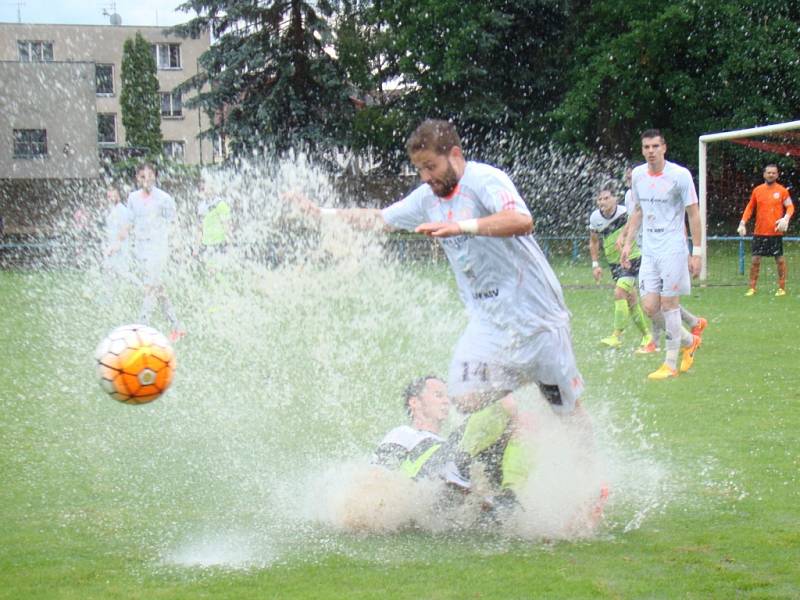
{"points": [[101, 500]]}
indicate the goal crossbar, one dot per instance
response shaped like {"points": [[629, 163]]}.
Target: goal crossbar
{"points": [[703, 142]]}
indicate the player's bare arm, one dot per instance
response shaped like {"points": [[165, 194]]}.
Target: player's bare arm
{"points": [[506, 223], [630, 234], [594, 251], [369, 219], [693, 213]]}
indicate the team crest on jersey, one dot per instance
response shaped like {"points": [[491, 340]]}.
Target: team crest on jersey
{"points": [[776, 195]]}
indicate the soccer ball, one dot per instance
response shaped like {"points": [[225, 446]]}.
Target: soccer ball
{"points": [[135, 364]]}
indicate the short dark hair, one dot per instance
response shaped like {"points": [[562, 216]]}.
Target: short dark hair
{"points": [[146, 165], [433, 134], [651, 133], [609, 185], [773, 165], [414, 389]]}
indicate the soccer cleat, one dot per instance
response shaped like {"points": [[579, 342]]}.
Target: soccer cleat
{"points": [[700, 327], [750, 292], [611, 341], [687, 357], [663, 372], [780, 292], [176, 335], [648, 348]]}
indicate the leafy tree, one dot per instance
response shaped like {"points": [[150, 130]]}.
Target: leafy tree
{"points": [[494, 67], [268, 80], [687, 67], [139, 100]]}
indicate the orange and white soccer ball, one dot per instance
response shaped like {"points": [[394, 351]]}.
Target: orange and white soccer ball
{"points": [[135, 364]]}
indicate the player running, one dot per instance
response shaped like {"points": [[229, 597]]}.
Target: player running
{"points": [[663, 193], [151, 213], [606, 224]]}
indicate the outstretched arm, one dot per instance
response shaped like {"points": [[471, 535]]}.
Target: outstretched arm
{"points": [[506, 223], [369, 219]]}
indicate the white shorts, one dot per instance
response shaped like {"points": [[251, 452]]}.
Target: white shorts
{"points": [[665, 275], [150, 267], [489, 359]]}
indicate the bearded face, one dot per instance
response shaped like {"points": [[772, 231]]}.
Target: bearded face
{"points": [[437, 171]]}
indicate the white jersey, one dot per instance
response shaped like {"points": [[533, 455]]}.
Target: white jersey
{"points": [[151, 217], [503, 281], [663, 199]]}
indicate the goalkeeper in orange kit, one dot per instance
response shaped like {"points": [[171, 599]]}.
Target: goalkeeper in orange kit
{"points": [[773, 208]]}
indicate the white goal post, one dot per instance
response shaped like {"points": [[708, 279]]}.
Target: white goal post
{"points": [[704, 140]]}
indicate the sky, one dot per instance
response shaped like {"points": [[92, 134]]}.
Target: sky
{"points": [[90, 12]]}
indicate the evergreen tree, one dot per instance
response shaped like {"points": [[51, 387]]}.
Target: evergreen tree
{"points": [[139, 100], [269, 80]]}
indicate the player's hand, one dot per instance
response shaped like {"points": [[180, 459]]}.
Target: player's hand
{"points": [[694, 266], [597, 272], [626, 252], [440, 229], [619, 244], [741, 230], [782, 224]]}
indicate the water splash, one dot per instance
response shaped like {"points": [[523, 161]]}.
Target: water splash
{"points": [[299, 344]]}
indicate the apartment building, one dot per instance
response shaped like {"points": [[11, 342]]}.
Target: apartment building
{"points": [[59, 93]]}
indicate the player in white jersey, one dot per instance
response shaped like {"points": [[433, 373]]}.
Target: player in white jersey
{"points": [[151, 214], [116, 250], [518, 331], [663, 194], [696, 324]]}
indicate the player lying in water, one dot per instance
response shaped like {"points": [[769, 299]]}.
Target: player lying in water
{"points": [[490, 437]]}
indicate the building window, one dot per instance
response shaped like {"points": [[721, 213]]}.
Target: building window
{"points": [[168, 56], [171, 104], [174, 150], [104, 80], [30, 143], [106, 128], [35, 51]]}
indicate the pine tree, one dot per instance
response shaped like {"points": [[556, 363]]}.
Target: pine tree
{"points": [[139, 99], [269, 80]]}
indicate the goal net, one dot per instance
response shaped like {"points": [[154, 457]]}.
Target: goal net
{"points": [[730, 164]]}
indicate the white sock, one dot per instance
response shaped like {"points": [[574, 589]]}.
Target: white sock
{"points": [[672, 322]]}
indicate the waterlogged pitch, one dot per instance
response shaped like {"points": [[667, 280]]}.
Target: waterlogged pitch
{"points": [[231, 485]]}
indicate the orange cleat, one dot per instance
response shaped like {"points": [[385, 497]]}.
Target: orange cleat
{"points": [[687, 359], [700, 327], [663, 372], [176, 335]]}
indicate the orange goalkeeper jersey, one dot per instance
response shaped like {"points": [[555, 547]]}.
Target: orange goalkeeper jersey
{"points": [[767, 202]]}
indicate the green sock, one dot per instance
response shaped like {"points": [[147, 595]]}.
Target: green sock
{"points": [[637, 315], [515, 465], [621, 313]]}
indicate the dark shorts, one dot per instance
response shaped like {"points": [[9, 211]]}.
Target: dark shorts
{"points": [[618, 270], [767, 245]]}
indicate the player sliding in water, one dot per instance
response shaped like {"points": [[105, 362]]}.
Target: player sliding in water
{"points": [[492, 437], [518, 331]]}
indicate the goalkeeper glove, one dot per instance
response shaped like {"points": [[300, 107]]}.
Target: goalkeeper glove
{"points": [[782, 224], [741, 229]]}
